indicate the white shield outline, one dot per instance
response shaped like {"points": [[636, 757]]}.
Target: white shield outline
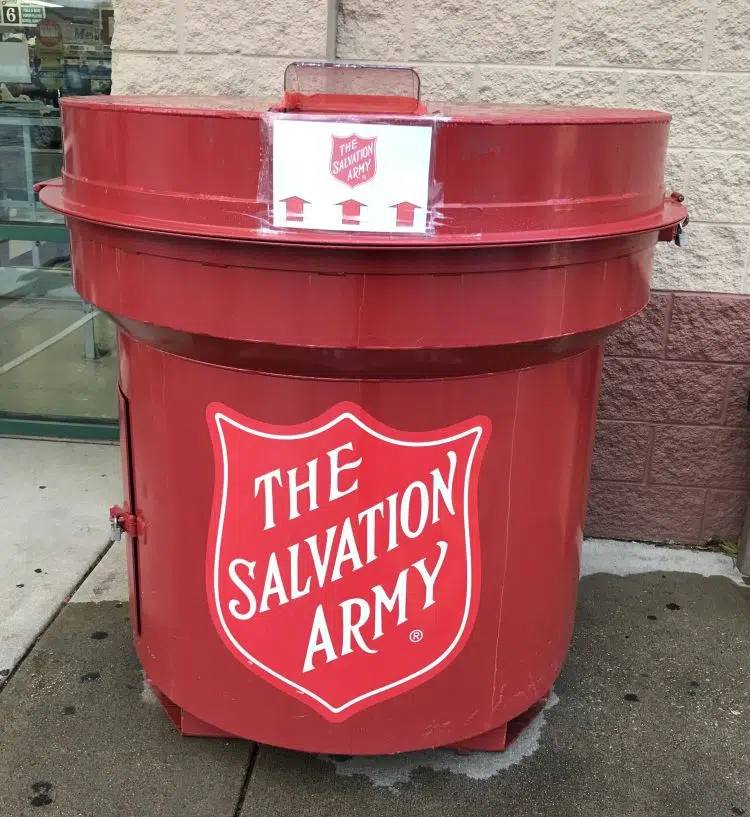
{"points": [[336, 711]]}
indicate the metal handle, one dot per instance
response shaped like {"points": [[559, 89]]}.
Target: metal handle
{"points": [[341, 88]]}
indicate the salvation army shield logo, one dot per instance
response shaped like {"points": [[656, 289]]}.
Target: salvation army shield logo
{"points": [[353, 159], [343, 556]]}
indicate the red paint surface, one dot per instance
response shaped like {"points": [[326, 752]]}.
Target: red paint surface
{"points": [[419, 335]]}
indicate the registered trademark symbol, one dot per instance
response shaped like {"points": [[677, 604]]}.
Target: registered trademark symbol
{"points": [[415, 636]]}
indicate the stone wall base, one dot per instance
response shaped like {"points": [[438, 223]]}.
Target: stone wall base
{"points": [[672, 451]]}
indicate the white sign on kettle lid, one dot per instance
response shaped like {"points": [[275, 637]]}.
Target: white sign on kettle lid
{"points": [[350, 175]]}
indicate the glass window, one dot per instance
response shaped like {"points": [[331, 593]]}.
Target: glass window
{"points": [[57, 356]]}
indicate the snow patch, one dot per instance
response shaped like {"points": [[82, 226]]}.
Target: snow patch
{"points": [[598, 556], [629, 558], [148, 696], [391, 770]]}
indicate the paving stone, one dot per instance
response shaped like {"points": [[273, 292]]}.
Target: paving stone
{"points": [[80, 737], [54, 499], [653, 718]]}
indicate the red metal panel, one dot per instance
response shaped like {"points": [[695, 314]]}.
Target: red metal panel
{"points": [[531, 503], [479, 298]]}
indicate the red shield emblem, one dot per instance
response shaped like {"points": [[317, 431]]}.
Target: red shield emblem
{"points": [[353, 159], [343, 560]]}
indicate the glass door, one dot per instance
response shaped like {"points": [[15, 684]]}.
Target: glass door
{"points": [[57, 354]]}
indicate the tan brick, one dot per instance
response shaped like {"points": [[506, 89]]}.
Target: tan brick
{"points": [[268, 28], [548, 86], [709, 111], [143, 26], [720, 186], [446, 83], [648, 33], [371, 30], [675, 171], [471, 31], [713, 261], [213, 74], [730, 49]]}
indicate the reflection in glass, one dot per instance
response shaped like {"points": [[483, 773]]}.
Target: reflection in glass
{"points": [[57, 357]]}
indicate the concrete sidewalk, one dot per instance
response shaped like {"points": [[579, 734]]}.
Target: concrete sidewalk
{"points": [[650, 716], [54, 498]]}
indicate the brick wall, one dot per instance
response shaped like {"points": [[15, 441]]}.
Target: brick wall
{"points": [[671, 454], [672, 449]]}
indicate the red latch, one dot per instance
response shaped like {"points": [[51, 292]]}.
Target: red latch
{"points": [[39, 186], [675, 232], [123, 521]]}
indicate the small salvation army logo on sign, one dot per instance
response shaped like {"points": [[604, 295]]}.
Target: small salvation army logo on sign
{"points": [[353, 159], [343, 559]]}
